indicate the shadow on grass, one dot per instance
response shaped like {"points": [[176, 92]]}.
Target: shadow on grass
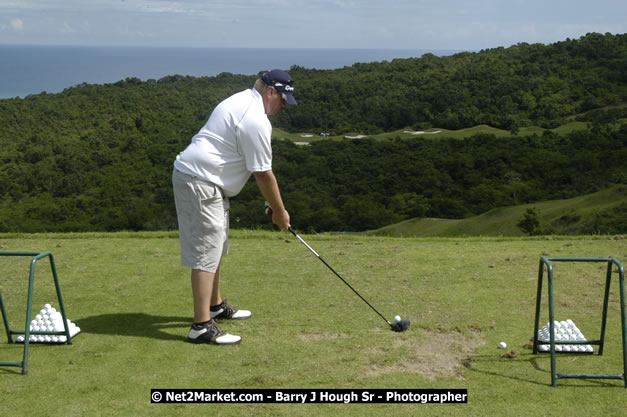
{"points": [[574, 382], [123, 324], [11, 353], [136, 325], [537, 363]]}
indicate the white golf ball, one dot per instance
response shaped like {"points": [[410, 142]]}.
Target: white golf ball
{"points": [[47, 306], [397, 318], [502, 345]]}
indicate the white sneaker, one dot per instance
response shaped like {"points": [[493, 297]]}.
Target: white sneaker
{"points": [[211, 333], [227, 311]]}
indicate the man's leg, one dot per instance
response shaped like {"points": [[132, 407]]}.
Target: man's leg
{"points": [[204, 329], [206, 291], [216, 298], [220, 309], [202, 290]]}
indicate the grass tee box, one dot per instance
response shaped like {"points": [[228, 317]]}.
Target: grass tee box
{"points": [[131, 298]]}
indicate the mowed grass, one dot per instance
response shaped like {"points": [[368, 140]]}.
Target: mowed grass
{"points": [[132, 301]]}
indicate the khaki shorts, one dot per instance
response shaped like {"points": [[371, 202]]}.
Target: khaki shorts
{"points": [[203, 218]]}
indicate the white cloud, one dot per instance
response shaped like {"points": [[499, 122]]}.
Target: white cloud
{"points": [[17, 24], [66, 28]]}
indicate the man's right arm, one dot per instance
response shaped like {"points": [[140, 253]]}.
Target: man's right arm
{"points": [[267, 183]]}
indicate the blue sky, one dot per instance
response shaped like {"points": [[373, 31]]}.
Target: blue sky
{"points": [[386, 24]]}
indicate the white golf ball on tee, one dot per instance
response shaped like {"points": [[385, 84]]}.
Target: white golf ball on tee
{"points": [[397, 318]]}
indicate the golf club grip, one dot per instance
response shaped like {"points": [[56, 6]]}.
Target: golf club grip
{"points": [[337, 274], [304, 243]]}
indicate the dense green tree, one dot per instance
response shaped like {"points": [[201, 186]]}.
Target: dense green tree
{"points": [[530, 223], [99, 157]]}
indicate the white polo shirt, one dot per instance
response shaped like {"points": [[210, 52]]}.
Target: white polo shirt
{"points": [[234, 143]]}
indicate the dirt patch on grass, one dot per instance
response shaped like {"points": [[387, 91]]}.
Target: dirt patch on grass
{"points": [[319, 336], [431, 354]]}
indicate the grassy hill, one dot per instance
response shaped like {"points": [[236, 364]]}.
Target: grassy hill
{"points": [[573, 216]]}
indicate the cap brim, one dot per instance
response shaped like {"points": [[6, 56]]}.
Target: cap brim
{"points": [[289, 99]]}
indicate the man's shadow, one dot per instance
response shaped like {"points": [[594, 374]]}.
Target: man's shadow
{"points": [[136, 325]]}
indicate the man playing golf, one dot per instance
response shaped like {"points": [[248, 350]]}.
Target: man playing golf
{"points": [[232, 145]]}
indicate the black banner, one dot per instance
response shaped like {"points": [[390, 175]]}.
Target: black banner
{"points": [[310, 396]]}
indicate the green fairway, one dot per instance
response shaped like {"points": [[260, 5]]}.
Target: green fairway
{"points": [[436, 133], [463, 296]]}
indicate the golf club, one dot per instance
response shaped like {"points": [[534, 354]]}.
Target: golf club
{"points": [[398, 325]]}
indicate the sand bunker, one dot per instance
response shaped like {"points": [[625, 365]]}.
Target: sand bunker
{"points": [[421, 132]]}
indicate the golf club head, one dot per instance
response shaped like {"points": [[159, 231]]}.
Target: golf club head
{"points": [[400, 326]]}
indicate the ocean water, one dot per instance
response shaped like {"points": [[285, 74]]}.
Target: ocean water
{"points": [[26, 70]]}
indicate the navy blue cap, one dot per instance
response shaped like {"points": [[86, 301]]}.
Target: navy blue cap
{"points": [[282, 81]]}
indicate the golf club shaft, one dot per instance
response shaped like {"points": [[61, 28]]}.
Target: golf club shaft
{"points": [[338, 275]]}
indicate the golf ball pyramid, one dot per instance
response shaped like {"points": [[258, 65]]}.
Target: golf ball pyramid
{"points": [[564, 331], [49, 320]]}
